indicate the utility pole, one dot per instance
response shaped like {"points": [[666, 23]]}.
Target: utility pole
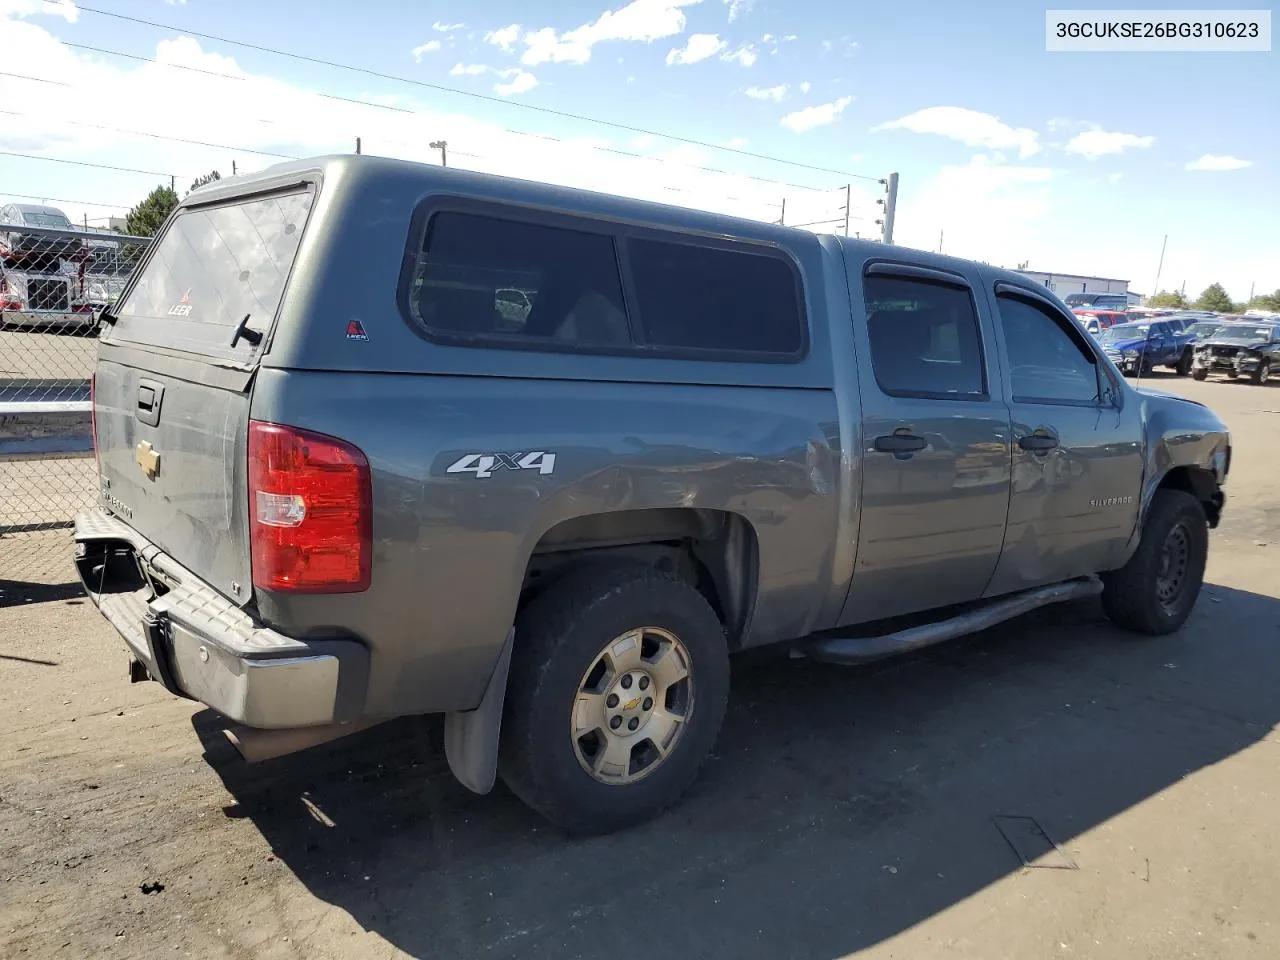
{"points": [[173, 183], [357, 146], [1251, 284], [233, 168], [442, 146], [782, 220], [890, 202], [1156, 288], [848, 206], [941, 233]]}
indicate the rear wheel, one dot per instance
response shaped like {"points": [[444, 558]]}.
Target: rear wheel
{"points": [[618, 687], [1156, 590], [1199, 374]]}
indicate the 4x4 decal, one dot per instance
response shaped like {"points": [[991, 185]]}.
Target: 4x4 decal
{"points": [[485, 464]]}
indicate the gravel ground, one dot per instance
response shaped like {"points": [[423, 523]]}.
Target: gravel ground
{"points": [[847, 811]]}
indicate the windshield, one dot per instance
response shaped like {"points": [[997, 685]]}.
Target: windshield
{"points": [[1243, 331], [51, 220], [1127, 331], [1204, 328]]}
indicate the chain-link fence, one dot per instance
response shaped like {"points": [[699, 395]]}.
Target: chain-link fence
{"points": [[55, 281]]}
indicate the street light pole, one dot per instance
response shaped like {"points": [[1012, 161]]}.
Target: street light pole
{"points": [[442, 146]]}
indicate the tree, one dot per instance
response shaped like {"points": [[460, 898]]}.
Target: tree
{"points": [[209, 177], [1266, 301], [1166, 298], [147, 217], [1214, 298]]}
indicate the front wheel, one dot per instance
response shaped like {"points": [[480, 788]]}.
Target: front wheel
{"points": [[1183, 366], [1200, 374], [1156, 590], [618, 686], [1263, 373]]}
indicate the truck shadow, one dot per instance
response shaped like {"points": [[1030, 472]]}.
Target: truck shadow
{"points": [[843, 806]]}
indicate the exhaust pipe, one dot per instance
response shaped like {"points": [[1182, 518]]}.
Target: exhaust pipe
{"points": [[256, 745]]}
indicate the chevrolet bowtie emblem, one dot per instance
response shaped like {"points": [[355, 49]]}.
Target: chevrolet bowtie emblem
{"points": [[148, 459]]}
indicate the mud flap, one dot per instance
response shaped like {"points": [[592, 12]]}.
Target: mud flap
{"points": [[471, 737]]}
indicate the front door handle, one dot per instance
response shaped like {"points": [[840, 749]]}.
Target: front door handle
{"points": [[1038, 442], [901, 445]]}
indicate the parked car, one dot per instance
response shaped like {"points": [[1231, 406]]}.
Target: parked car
{"points": [[48, 237], [1239, 349], [333, 496], [1141, 347], [1096, 321]]}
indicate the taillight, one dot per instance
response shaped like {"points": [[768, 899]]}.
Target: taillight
{"points": [[310, 512]]}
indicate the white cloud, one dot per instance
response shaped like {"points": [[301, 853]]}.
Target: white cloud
{"points": [[431, 46], [176, 3], [806, 87], [738, 7], [819, 116], [971, 127], [34, 8], [1114, 177], [767, 38], [1093, 144], [768, 93], [746, 56], [641, 21], [700, 47], [504, 37], [521, 82], [446, 27], [736, 143], [1213, 161], [468, 70], [790, 38]]}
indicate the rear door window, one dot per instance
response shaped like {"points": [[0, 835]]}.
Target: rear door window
{"points": [[213, 267], [925, 339]]}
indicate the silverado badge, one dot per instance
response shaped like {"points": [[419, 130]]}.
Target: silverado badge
{"points": [[148, 459]]}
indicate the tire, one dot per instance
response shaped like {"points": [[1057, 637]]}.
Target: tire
{"points": [[1183, 366], [1232, 375], [1199, 374], [562, 678], [1262, 374], [1132, 596]]}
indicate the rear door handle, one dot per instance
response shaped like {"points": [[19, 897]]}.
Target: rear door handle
{"points": [[1038, 442], [900, 444]]}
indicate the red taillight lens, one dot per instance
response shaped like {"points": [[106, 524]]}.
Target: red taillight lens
{"points": [[310, 512]]}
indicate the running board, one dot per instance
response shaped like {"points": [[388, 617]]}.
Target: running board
{"points": [[855, 650]]}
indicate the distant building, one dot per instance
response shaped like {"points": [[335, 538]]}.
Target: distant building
{"points": [[1064, 284]]}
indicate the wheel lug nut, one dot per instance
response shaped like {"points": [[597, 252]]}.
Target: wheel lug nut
{"points": [[626, 682], [612, 701], [648, 703], [633, 723], [644, 683], [615, 723]]}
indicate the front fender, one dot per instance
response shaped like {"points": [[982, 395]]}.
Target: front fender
{"points": [[1186, 445]]}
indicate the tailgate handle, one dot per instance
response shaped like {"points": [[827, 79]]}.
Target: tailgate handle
{"points": [[150, 396]]}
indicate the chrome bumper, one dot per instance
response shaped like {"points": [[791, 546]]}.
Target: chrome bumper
{"points": [[200, 645]]}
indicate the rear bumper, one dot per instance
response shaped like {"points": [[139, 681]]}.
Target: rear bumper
{"points": [[200, 645]]}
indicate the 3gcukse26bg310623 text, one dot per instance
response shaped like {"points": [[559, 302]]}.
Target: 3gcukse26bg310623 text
{"points": [[1155, 31]]}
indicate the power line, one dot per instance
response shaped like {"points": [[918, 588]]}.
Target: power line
{"points": [[81, 203], [468, 93], [144, 133], [408, 112], [86, 163]]}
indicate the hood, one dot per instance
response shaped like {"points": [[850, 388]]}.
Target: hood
{"points": [[1118, 345], [1230, 342], [1166, 395]]}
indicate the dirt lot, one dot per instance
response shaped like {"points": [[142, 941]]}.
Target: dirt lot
{"points": [[844, 811]]}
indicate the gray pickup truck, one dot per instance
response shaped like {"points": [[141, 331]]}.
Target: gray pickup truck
{"points": [[379, 439]]}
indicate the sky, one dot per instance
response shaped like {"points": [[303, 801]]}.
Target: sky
{"points": [[1069, 162]]}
